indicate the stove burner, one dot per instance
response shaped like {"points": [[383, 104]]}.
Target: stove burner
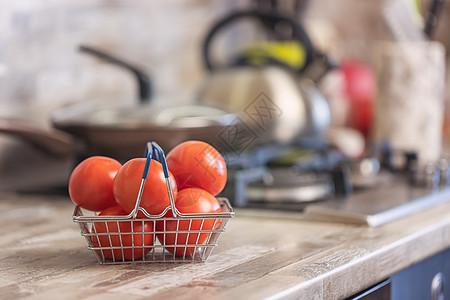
{"points": [[288, 185], [290, 175]]}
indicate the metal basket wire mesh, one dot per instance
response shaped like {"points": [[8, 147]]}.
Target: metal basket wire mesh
{"points": [[153, 238]]}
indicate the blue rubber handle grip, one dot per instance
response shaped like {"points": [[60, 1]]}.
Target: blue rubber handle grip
{"points": [[154, 150], [148, 154], [161, 158]]}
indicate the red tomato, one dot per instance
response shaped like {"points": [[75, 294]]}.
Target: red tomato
{"points": [[155, 197], [127, 238], [191, 200], [91, 183], [198, 164]]}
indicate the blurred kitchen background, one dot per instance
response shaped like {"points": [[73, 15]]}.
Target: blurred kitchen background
{"points": [[42, 69]]}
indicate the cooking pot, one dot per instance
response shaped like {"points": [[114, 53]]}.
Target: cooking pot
{"points": [[275, 98], [118, 130]]}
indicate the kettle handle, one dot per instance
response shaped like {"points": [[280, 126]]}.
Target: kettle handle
{"points": [[298, 31]]}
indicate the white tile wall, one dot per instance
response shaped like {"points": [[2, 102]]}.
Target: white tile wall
{"points": [[40, 67]]}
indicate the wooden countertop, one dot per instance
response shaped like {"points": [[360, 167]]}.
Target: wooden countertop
{"points": [[262, 254]]}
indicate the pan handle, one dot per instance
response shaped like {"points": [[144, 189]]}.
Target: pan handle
{"points": [[53, 141], [144, 82]]}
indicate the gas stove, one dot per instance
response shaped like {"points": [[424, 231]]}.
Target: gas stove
{"points": [[326, 185]]}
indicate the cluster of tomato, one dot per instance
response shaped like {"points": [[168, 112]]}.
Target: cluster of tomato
{"points": [[197, 173]]}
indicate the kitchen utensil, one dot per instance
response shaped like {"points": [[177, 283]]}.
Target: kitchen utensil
{"points": [[410, 97], [56, 142], [143, 80], [402, 19], [157, 252], [432, 16], [263, 90], [121, 132], [399, 16]]}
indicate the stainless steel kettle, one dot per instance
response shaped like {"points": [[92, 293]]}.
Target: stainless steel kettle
{"points": [[275, 101]]}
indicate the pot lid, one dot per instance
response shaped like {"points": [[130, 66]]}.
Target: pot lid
{"points": [[142, 116]]}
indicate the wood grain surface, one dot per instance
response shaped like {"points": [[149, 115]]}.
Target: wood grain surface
{"points": [[261, 255]]}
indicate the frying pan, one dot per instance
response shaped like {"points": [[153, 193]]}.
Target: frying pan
{"points": [[121, 131]]}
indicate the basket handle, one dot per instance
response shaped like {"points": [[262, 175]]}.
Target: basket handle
{"points": [[153, 150]]}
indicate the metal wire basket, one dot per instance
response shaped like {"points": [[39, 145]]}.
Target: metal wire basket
{"points": [[153, 238]]}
